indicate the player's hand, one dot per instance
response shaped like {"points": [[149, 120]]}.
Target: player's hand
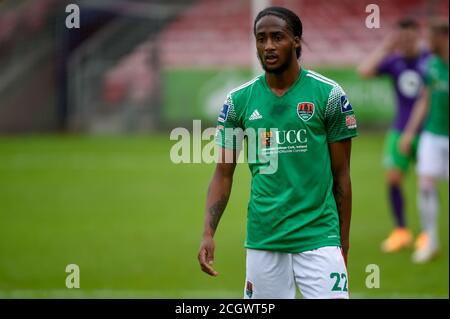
{"points": [[404, 144], [206, 255]]}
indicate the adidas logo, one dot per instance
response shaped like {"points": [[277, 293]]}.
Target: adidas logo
{"points": [[255, 116]]}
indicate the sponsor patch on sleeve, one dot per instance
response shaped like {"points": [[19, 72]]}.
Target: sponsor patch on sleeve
{"points": [[350, 121], [223, 113], [345, 104]]}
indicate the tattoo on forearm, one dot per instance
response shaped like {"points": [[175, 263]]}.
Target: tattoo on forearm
{"points": [[216, 210]]}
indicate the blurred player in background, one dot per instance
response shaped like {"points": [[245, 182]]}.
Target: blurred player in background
{"points": [[299, 215], [433, 157], [401, 58]]}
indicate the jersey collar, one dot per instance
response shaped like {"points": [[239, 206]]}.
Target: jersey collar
{"points": [[301, 76]]}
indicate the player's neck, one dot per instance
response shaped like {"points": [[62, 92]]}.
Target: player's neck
{"points": [[280, 83]]}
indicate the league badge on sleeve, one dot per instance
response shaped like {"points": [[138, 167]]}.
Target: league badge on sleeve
{"points": [[224, 113], [345, 104]]}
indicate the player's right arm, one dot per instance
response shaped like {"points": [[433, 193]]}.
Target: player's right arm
{"points": [[418, 115], [369, 67], [229, 142], [219, 191]]}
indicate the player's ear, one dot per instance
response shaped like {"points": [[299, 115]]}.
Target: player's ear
{"points": [[297, 42]]}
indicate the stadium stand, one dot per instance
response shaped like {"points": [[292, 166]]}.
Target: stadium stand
{"points": [[209, 33], [203, 34], [218, 32]]}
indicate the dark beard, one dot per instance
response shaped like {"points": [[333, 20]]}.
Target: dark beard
{"points": [[281, 68]]}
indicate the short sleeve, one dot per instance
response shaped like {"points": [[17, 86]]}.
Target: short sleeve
{"points": [[228, 131], [386, 65], [340, 118]]}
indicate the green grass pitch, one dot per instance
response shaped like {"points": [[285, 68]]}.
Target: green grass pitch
{"points": [[132, 221]]}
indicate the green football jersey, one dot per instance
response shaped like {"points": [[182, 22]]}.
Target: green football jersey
{"points": [[436, 80], [292, 206]]}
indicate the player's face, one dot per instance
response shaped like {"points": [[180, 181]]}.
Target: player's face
{"points": [[275, 44], [408, 40]]}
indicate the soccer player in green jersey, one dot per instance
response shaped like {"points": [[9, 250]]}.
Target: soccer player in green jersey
{"points": [[299, 213], [433, 149], [400, 58]]}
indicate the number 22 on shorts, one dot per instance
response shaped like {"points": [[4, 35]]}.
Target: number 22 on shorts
{"points": [[337, 277]]}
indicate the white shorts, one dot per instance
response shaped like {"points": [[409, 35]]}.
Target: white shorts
{"points": [[318, 273], [432, 158]]}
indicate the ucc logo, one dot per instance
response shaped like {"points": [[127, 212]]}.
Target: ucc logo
{"points": [[291, 137], [282, 137]]}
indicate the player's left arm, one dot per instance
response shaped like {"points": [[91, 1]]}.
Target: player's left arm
{"points": [[340, 123], [342, 188]]}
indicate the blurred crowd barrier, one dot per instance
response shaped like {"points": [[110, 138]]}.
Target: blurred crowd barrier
{"points": [[141, 66]]}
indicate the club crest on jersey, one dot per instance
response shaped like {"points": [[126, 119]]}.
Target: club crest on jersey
{"points": [[223, 113], [345, 104], [305, 110]]}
